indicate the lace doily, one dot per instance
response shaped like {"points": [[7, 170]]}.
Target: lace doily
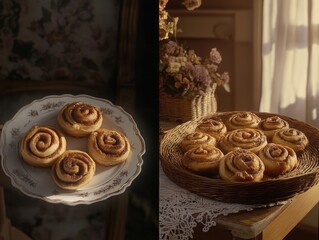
{"points": [[180, 210]]}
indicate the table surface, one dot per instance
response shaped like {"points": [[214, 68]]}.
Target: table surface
{"points": [[266, 223], [274, 222]]}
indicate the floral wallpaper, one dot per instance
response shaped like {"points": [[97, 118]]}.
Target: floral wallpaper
{"points": [[58, 39]]}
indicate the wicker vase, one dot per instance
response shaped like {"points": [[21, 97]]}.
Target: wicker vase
{"points": [[175, 108]]}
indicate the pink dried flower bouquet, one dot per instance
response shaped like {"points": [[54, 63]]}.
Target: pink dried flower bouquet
{"points": [[183, 73]]}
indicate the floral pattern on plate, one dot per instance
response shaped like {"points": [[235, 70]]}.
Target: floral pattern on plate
{"points": [[37, 182]]}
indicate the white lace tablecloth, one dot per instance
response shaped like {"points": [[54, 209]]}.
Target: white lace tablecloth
{"points": [[180, 211]]}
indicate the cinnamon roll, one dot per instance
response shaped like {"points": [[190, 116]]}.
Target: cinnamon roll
{"points": [[278, 159], [73, 170], [195, 139], [42, 145], [248, 138], [203, 160], [79, 119], [241, 166], [271, 125], [242, 120], [108, 147], [213, 127], [292, 138]]}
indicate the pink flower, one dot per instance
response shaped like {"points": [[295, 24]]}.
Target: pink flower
{"points": [[183, 73], [202, 75], [215, 56], [225, 77], [212, 67], [189, 67], [171, 48]]}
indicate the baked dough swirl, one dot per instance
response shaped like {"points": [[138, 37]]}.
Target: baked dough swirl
{"points": [[203, 159], [108, 147], [271, 125], [79, 119], [196, 138], [278, 159], [241, 166], [292, 138], [248, 138], [73, 169], [212, 127], [42, 145], [242, 120]]}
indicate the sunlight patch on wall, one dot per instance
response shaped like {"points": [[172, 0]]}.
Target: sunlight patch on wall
{"points": [[294, 76]]}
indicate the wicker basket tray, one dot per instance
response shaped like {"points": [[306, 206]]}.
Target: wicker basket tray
{"points": [[182, 109], [268, 190]]}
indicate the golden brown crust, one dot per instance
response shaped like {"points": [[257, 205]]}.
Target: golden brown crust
{"points": [[73, 170], [79, 119], [108, 147], [278, 159], [203, 160], [292, 138], [195, 139], [242, 120], [42, 145], [241, 166], [213, 127], [248, 138], [271, 125]]}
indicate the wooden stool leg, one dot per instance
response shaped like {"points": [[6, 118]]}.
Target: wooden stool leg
{"points": [[117, 207], [4, 222], [8, 232]]}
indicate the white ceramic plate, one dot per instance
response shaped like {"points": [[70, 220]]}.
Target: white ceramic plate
{"points": [[37, 182]]}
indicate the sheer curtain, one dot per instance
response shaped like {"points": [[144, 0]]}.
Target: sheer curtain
{"points": [[290, 61]]}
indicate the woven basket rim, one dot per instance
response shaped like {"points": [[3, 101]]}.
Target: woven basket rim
{"points": [[308, 178]]}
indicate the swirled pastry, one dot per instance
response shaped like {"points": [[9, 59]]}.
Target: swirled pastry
{"points": [[42, 145], [248, 138], [278, 159], [73, 169], [215, 128], [79, 119], [241, 166], [108, 147], [196, 138], [242, 120], [272, 124], [203, 159], [292, 138]]}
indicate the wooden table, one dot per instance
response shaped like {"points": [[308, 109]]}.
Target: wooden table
{"points": [[272, 223]]}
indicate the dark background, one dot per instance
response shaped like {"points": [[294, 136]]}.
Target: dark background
{"points": [[142, 214]]}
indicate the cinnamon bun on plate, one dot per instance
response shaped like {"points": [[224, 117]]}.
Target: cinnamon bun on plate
{"points": [[42, 145], [79, 119], [73, 170], [108, 147]]}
